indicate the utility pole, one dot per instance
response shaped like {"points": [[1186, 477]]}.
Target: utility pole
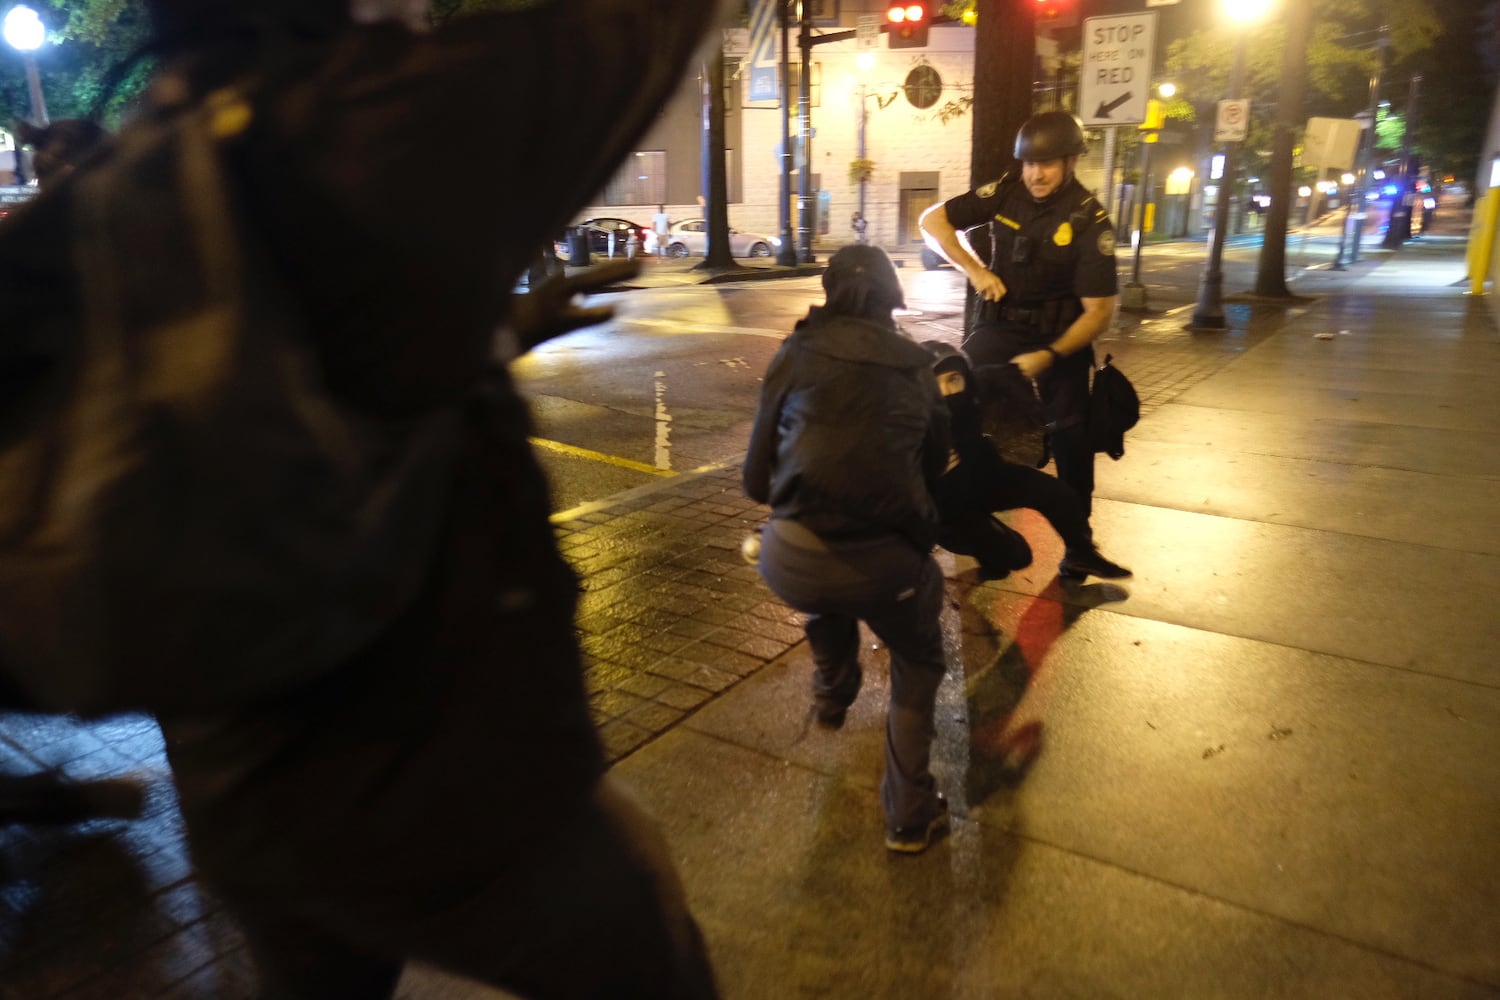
{"points": [[787, 255], [804, 129], [1367, 160], [1399, 229], [1208, 314]]}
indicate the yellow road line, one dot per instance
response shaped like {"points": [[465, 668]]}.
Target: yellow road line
{"points": [[599, 456]]}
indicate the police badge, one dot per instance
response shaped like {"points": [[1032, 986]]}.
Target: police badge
{"points": [[1064, 235]]}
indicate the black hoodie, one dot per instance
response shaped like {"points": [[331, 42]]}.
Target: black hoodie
{"points": [[851, 433]]}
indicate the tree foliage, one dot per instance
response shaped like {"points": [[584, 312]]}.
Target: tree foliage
{"points": [[88, 41], [1350, 41]]}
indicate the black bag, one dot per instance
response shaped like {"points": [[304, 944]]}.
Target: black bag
{"points": [[1014, 415], [189, 520], [1114, 408]]}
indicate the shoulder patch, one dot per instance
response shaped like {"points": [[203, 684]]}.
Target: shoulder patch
{"points": [[988, 190], [1107, 243]]}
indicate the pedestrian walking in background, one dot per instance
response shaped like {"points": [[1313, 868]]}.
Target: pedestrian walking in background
{"points": [[439, 793], [849, 439], [1049, 290], [661, 224]]}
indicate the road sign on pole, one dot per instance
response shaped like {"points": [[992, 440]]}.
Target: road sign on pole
{"points": [[1232, 123], [1116, 79]]}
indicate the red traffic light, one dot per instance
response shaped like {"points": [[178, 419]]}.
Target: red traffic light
{"points": [[908, 24], [1056, 13], [903, 12]]}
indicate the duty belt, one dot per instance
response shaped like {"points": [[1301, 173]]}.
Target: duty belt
{"points": [[1015, 314]]}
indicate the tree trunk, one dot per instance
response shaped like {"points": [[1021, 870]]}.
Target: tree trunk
{"points": [[718, 254], [1270, 279], [1004, 72]]}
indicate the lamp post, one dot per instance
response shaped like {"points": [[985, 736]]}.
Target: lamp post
{"points": [[1209, 312], [1134, 297], [866, 62], [25, 32], [1367, 153], [1338, 254], [787, 255]]}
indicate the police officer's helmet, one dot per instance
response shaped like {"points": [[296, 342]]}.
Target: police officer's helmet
{"points": [[861, 281], [1051, 135]]}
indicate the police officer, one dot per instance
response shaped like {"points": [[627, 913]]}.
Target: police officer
{"points": [[1049, 290]]}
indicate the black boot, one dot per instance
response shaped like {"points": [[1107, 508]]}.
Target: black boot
{"points": [[1075, 566]]}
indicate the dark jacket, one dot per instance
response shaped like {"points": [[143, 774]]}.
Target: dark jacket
{"points": [[419, 762], [851, 433]]}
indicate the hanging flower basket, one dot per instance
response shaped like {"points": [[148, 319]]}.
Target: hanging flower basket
{"points": [[861, 170]]}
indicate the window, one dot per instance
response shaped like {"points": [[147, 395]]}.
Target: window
{"points": [[923, 87], [641, 180]]}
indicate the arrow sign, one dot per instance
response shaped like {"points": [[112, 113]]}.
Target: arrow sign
{"points": [[1115, 77], [1105, 109]]}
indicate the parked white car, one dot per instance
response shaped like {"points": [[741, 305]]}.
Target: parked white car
{"points": [[690, 239]]}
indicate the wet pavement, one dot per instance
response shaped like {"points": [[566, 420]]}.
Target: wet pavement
{"points": [[1265, 766]]}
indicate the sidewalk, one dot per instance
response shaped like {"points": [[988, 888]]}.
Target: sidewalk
{"points": [[1264, 767]]}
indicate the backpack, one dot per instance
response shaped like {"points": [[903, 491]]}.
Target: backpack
{"points": [[190, 521], [1114, 409]]}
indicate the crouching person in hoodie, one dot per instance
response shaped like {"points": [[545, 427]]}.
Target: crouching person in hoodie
{"points": [[848, 442], [979, 482]]}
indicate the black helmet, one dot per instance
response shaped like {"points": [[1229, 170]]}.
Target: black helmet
{"points": [[1051, 135], [862, 281]]}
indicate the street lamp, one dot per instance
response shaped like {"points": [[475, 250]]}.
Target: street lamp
{"points": [[25, 32], [1209, 312]]}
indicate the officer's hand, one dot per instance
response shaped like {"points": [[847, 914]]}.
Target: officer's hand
{"points": [[1033, 363], [548, 310], [988, 285]]}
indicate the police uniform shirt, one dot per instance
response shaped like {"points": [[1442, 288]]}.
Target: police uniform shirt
{"points": [[1061, 248]]}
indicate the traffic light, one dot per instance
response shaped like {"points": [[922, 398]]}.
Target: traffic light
{"points": [[908, 21], [1056, 14]]}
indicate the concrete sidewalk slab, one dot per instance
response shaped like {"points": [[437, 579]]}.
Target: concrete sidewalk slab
{"points": [[1436, 451], [1329, 493], [1407, 606]]}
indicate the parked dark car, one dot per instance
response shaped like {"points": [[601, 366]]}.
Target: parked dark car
{"points": [[599, 231]]}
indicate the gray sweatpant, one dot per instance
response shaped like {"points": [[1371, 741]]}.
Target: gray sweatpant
{"points": [[896, 590]]}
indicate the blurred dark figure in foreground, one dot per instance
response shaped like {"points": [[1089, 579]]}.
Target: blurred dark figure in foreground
{"points": [[440, 793], [849, 439], [49, 797], [60, 146]]}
